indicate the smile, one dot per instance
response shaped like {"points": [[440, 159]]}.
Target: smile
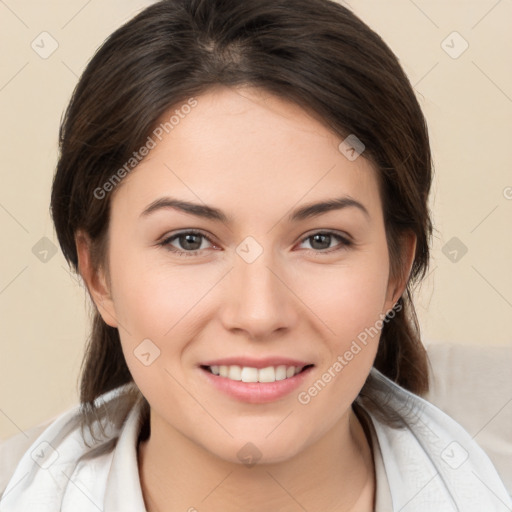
{"points": [[265, 384], [251, 374]]}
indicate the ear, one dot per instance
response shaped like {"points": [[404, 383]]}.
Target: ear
{"points": [[95, 280], [397, 285]]}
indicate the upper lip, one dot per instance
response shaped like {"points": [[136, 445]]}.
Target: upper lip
{"points": [[256, 363]]}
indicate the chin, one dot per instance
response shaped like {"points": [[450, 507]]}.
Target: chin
{"points": [[255, 449]]}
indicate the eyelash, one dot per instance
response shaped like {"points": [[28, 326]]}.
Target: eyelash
{"points": [[345, 242]]}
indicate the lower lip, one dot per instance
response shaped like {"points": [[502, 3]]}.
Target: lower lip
{"points": [[256, 392]]}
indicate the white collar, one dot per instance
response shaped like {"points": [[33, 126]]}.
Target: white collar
{"points": [[124, 470]]}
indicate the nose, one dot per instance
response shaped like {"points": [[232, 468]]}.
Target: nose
{"points": [[258, 299]]}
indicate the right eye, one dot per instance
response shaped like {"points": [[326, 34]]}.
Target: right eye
{"points": [[191, 243]]}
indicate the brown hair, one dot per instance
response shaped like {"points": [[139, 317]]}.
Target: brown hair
{"points": [[315, 53]]}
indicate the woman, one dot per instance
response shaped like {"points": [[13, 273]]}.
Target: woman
{"points": [[243, 188]]}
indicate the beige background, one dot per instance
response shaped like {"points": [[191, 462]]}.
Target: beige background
{"points": [[468, 104]]}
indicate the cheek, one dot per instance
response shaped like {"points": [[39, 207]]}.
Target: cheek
{"points": [[152, 296], [352, 311], [153, 304], [348, 299], [350, 303]]}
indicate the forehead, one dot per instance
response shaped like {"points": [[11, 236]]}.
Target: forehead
{"points": [[250, 150]]}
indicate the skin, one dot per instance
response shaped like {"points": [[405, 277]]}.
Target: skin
{"points": [[256, 157]]}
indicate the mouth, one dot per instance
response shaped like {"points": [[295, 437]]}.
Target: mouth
{"points": [[251, 374], [263, 382]]}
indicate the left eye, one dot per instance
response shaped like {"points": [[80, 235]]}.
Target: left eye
{"points": [[321, 241]]}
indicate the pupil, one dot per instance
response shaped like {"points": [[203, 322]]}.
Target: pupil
{"points": [[322, 239], [188, 241]]}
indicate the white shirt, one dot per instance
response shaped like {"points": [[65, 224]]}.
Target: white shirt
{"points": [[431, 465]]}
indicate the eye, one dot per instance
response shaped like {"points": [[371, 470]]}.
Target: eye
{"points": [[321, 241], [189, 243]]}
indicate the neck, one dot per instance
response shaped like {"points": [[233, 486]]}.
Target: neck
{"points": [[335, 474]]}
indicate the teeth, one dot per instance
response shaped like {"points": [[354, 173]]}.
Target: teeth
{"points": [[249, 374], [281, 372], [235, 372]]}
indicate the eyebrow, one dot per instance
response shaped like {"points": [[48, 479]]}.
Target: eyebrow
{"points": [[209, 212]]}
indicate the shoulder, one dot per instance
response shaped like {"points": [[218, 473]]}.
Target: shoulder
{"points": [[431, 462], [12, 450], [35, 465]]}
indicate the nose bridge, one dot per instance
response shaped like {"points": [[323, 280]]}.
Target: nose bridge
{"points": [[257, 301]]}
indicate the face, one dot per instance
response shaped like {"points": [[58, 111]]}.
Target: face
{"points": [[248, 277]]}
